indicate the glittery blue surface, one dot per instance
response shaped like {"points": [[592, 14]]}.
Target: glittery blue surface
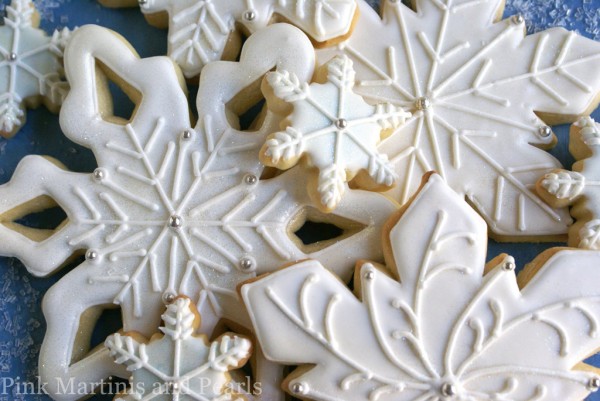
{"points": [[21, 322]]}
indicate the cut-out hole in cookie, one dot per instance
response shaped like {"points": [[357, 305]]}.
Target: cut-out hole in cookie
{"points": [[246, 111], [112, 90], [37, 219], [108, 321], [313, 230]]}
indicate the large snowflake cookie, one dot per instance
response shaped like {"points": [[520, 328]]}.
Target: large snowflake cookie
{"points": [[179, 365], [479, 117], [334, 129], [201, 31], [30, 66], [437, 325], [173, 208], [580, 187]]}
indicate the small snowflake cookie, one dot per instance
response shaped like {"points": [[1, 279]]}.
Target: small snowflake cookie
{"points": [[30, 66], [435, 324], [173, 207], [479, 117], [580, 187], [333, 129], [177, 364], [201, 31]]}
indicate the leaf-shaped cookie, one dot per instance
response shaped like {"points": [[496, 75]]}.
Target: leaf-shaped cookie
{"points": [[475, 109], [435, 325], [580, 187]]}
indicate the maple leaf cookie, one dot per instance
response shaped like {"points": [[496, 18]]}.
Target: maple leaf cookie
{"points": [[479, 117], [173, 207], [30, 66], [201, 31], [177, 364], [334, 129], [580, 187], [436, 324]]}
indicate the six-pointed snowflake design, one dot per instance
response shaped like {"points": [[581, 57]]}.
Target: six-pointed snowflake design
{"points": [[475, 110], [179, 365], [201, 31], [171, 209], [334, 128], [30, 67], [581, 187], [435, 328]]}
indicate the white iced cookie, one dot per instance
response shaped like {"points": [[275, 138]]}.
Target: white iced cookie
{"points": [[201, 31], [173, 208], [475, 110], [580, 187], [333, 129], [178, 364], [30, 66], [436, 324]]}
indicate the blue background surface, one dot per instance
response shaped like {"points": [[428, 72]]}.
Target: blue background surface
{"points": [[22, 325]]}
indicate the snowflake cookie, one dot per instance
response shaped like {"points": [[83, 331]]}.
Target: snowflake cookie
{"points": [[173, 208], [30, 66], [179, 365], [580, 187], [475, 110], [437, 325], [335, 130], [201, 31]]}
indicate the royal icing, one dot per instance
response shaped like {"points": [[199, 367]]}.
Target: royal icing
{"points": [[201, 30], [475, 110], [580, 188], [439, 329], [30, 65], [334, 129], [172, 208], [179, 365]]}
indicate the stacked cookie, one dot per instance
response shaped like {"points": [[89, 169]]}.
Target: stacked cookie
{"points": [[415, 136]]}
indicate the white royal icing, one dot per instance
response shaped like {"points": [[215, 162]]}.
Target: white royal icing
{"points": [[29, 64], [474, 119], [199, 30], [440, 329], [580, 188], [334, 128], [179, 365], [171, 209]]}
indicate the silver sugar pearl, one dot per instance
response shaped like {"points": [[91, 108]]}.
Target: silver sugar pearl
{"points": [[594, 384], [448, 390], [299, 388], [187, 134], [249, 15], [509, 266], [99, 174], [142, 2], [250, 179], [175, 221], [12, 56], [517, 19], [341, 123], [370, 275], [168, 298], [247, 264], [545, 131], [423, 103], [91, 254]]}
